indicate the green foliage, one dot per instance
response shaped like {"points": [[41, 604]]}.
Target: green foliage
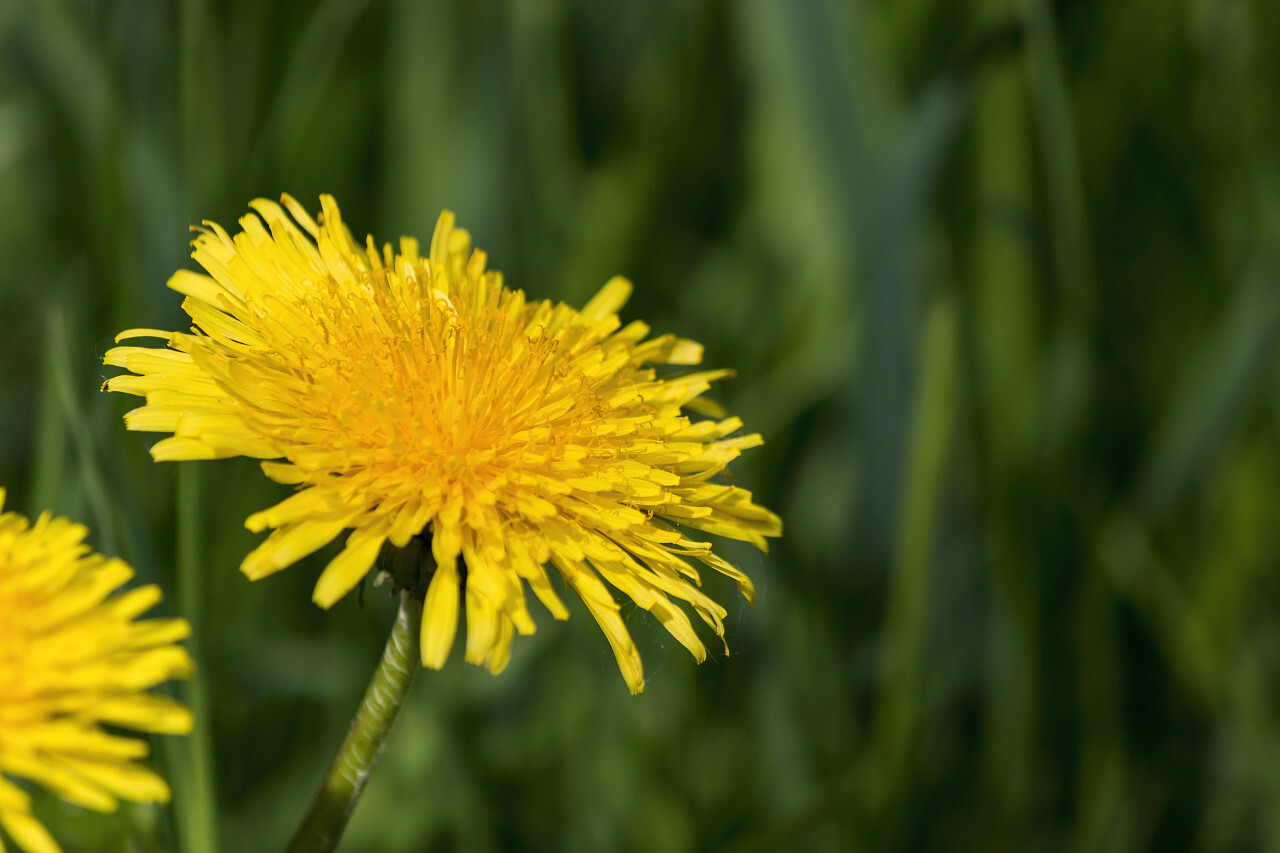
{"points": [[1001, 282]]}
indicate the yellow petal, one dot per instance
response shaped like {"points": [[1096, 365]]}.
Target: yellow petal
{"points": [[346, 569], [286, 546], [27, 833], [611, 297], [440, 616]]}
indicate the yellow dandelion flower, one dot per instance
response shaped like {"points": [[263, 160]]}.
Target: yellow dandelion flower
{"points": [[72, 658], [417, 396]]}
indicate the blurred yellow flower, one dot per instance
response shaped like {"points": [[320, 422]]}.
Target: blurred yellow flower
{"points": [[72, 657], [416, 395]]}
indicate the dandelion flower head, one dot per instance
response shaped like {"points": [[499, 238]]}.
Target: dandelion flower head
{"points": [[406, 396], [73, 657]]}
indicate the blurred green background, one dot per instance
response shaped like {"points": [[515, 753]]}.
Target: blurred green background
{"points": [[1001, 281]]}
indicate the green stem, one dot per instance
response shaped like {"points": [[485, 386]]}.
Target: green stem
{"points": [[345, 779], [195, 801]]}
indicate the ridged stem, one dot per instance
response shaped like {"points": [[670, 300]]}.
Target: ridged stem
{"points": [[322, 827]]}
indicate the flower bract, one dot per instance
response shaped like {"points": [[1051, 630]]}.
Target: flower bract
{"points": [[410, 395], [74, 657]]}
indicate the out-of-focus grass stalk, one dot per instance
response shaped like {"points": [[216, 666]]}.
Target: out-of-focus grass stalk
{"points": [[851, 105], [1008, 390], [302, 88], [1209, 401], [77, 423], [1204, 414], [1101, 823], [1069, 380], [545, 115], [202, 152], [195, 788], [1200, 640], [50, 439], [1068, 222], [421, 46], [195, 792], [1103, 782], [897, 710]]}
